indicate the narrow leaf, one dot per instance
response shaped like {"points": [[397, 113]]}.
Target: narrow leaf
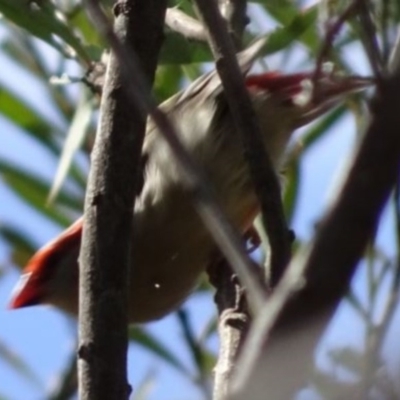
{"points": [[76, 133], [27, 118], [17, 363], [320, 128], [291, 193], [40, 19], [282, 37], [22, 246], [290, 16], [178, 50], [148, 341], [34, 191]]}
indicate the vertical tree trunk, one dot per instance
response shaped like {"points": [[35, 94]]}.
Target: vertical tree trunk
{"points": [[106, 246]]}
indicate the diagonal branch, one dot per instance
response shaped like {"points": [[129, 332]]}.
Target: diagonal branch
{"points": [[182, 23], [234, 319], [262, 172], [291, 322], [234, 13]]}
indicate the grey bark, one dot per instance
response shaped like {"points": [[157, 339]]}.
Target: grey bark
{"points": [[107, 235]]}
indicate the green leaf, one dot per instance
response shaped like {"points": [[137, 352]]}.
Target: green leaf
{"points": [[29, 119], [33, 124], [40, 19], [291, 193], [23, 50], [22, 247], [281, 10], [294, 19], [298, 27], [320, 128], [142, 337], [15, 45], [178, 50], [209, 360], [17, 363], [79, 20], [34, 191], [167, 82], [76, 133], [24, 116]]}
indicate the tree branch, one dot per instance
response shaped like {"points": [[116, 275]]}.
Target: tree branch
{"points": [[327, 265], [262, 172], [234, 13], [182, 23], [234, 318], [233, 323], [107, 234]]}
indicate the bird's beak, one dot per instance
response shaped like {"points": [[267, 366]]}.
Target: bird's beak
{"points": [[319, 95]]}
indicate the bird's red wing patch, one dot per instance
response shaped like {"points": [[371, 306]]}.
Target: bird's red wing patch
{"points": [[30, 287], [328, 85], [276, 82]]}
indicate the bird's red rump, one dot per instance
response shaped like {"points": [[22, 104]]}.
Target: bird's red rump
{"points": [[276, 82], [30, 288]]}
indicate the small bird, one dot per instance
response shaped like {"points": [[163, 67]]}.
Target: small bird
{"points": [[172, 247]]}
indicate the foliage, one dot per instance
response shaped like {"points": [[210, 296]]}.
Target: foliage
{"points": [[48, 41]]}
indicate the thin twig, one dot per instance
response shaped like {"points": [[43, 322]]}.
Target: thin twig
{"points": [[330, 37], [234, 319], [369, 39], [233, 324], [385, 29], [187, 26], [394, 58], [223, 232], [262, 172], [234, 13], [233, 314]]}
